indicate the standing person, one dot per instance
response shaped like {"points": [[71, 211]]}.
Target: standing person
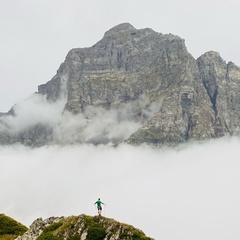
{"points": [[99, 206]]}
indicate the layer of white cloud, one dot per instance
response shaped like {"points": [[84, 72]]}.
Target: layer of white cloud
{"points": [[170, 194], [34, 110], [96, 125]]}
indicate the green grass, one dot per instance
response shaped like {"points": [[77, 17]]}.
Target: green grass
{"points": [[10, 228]]}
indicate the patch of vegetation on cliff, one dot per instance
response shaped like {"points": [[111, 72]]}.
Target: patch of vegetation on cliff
{"points": [[96, 231], [9, 228], [100, 228], [131, 233], [64, 229], [48, 232]]}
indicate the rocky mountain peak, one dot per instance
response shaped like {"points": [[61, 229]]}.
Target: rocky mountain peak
{"points": [[81, 227], [212, 57], [211, 54], [138, 78], [119, 29]]}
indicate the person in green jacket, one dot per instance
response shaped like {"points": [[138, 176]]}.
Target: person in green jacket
{"points": [[99, 206]]}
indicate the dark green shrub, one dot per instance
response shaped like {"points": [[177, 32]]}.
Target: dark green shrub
{"points": [[96, 233], [95, 229]]}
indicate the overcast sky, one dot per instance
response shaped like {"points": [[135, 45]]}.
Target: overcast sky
{"points": [[36, 35]]}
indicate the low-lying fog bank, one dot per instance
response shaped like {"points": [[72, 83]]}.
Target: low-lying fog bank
{"points": [[190, 193]]}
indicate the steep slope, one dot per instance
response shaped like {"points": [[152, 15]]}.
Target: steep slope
{"points": [[222, 82], [81, 227], [9, 228], [133, 85]]}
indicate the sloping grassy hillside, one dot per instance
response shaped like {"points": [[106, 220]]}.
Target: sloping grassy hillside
{"points": [[9, 228]]}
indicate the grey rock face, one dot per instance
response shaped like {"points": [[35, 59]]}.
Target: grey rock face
{"points": [[119, 68], [185, 99], [222, 84], [197, 118]]}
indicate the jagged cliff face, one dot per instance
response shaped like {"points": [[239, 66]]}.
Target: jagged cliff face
{"points": [[222, 82], [146, 78], [81, 227]]}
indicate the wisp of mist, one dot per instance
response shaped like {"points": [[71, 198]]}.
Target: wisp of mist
{"points": [[189, 193], [95, 125]]}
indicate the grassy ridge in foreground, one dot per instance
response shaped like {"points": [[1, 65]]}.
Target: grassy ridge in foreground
{"points": [[90, 228], [9, 228]]}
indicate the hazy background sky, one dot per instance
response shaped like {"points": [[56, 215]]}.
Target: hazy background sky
{"points": [[36, 35]]}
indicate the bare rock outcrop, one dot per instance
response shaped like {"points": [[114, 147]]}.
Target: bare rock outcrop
{"points": [[81, 227]]}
